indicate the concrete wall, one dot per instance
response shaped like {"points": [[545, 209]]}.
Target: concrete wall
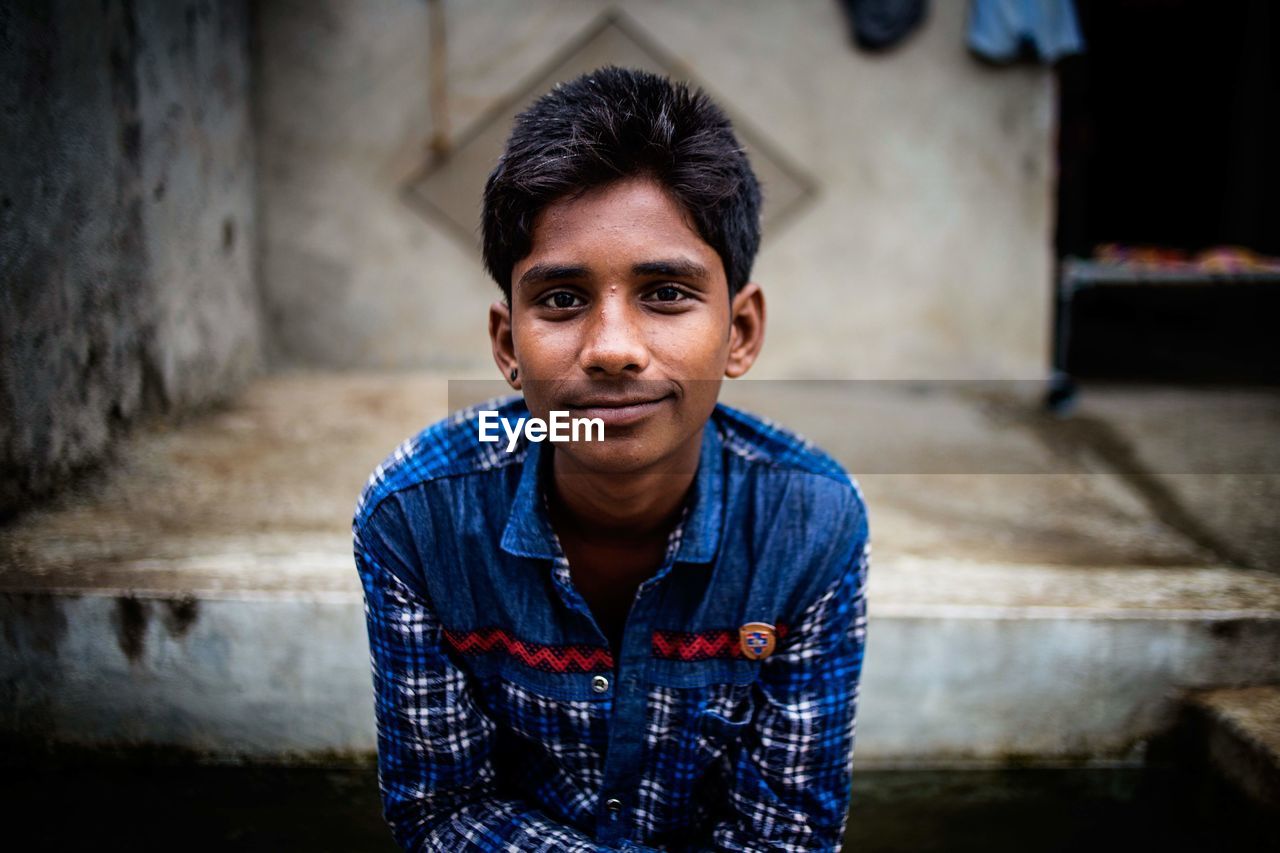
{"points": [[284, 675], [925, 251], [127, 224]]}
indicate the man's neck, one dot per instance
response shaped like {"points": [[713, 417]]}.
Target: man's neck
{"points": [[622, 507]]}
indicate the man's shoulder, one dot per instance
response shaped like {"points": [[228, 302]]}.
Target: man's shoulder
{"points": [[816, 485], [763, 442], [815, 517], [446, 449]]}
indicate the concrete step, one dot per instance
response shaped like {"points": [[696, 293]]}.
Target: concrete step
{"points": [[201, 594], [1240, 738]]}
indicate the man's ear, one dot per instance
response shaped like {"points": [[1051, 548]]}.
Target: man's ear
{"points": [[746, 329], [504, 347]]}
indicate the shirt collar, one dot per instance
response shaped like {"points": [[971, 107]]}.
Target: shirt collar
{"points": [[528, 530]]}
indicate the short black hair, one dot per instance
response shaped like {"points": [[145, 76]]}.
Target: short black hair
{"points": [[618, 123]]}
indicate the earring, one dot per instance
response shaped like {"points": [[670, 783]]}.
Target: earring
{"points": [[514, 371]]}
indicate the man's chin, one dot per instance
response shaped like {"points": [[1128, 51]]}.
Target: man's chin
{"points": [[619, 456]]}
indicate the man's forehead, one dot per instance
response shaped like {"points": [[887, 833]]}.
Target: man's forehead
{"points": [[626, 223]]}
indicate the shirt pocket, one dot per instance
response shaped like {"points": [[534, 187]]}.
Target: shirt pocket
{"points": [[575, 731], [549, 744], [700, 710], [723, 715]]}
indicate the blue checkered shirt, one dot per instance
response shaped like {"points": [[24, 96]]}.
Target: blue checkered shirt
{"points": [[505, 720]]}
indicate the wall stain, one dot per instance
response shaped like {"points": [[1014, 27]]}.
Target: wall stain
{"points": [[180, 614], [131, 619]]}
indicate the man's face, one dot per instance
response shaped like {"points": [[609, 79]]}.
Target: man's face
{"points": [[621, 312]]}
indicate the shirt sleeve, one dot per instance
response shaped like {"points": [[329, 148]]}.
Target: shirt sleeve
{"points": [[435, 743], [792, 778]]}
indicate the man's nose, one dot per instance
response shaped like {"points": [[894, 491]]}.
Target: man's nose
{"points": [[614, 341]]}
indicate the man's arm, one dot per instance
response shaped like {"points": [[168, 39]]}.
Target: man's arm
{"points": [[792, 777], [435, 743]]}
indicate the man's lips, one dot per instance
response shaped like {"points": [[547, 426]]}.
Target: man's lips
{"points": [[616, 411]]}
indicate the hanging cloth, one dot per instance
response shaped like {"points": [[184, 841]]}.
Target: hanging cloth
{"points": [[881, 24], [1005, 30]]}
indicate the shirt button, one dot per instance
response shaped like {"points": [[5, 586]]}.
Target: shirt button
{"points": [[614, 806], [600, 684]]}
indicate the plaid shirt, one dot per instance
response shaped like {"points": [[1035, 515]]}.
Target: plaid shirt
{"points": [[505, 721]]}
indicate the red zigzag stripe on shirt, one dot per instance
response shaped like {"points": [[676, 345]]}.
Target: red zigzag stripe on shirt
{"points": [[670, 645], [683, 645], [537, 655]]}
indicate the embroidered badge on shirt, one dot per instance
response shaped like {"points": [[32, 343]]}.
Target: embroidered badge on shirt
{"points": [[757, 639]]}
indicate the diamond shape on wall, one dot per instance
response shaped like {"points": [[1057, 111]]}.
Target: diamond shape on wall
{"points": [[449, 188]]}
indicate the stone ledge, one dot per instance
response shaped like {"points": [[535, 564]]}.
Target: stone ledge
{"points": [[1243, 739], [986, 673]]}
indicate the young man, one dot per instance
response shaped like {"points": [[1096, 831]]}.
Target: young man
{"points": [[652, 641]]}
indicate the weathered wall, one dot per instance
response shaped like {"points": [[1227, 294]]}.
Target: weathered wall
{"points": [[256, 674], [925, 251], [127, 224]]}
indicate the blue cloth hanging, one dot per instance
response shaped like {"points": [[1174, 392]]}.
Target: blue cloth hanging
{"points": [[1005, 30]]}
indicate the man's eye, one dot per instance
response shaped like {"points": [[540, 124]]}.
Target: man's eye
{"points": [[667, 293], [561, 299]]}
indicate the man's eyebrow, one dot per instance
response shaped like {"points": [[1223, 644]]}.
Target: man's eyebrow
{"points": [[675, 268], [541, 273], [672, 267]]}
